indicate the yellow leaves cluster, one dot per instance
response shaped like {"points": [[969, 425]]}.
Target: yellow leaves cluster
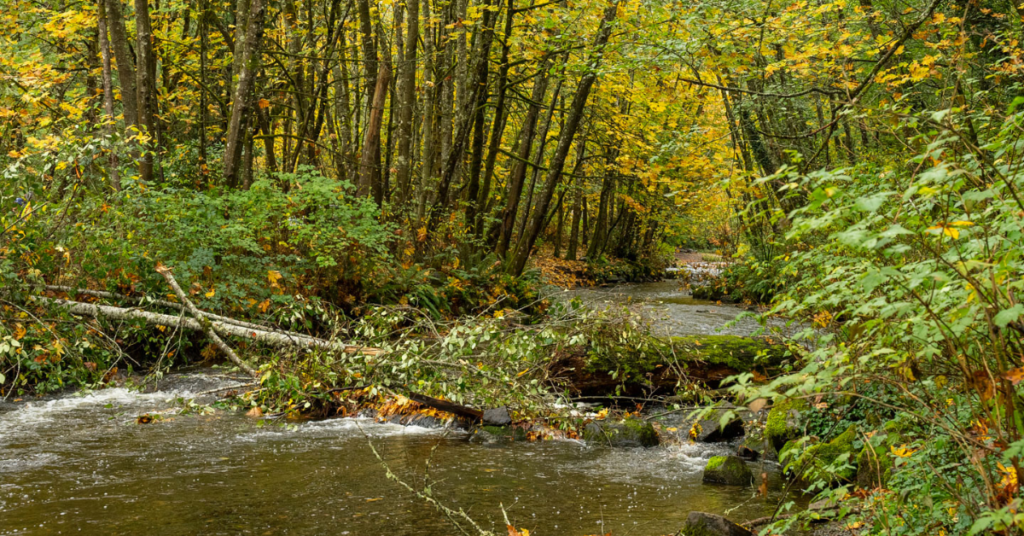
{"points": [[949, 229]]}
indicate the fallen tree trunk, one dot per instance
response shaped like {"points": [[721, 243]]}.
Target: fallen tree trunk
{"points": [[207, 326], [450, 407], [73, 292], [270, 338]]}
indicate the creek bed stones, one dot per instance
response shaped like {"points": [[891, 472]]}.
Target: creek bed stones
{"points": [[728, 470], [704, 524], [631, 432]]}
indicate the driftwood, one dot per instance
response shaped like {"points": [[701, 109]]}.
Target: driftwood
{"points": [[263, 336], [445, 405], [207, 326], [72, 291]]}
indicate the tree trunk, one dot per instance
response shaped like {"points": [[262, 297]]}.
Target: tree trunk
{"points": [[145, 74], [515, 179], [498, 126], [125, 62], [241, 99], [369, 162], [407, 103], [108, 91]]}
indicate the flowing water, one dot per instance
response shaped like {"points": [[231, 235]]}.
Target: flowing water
{"points": [[81, 464], [672, 311]]}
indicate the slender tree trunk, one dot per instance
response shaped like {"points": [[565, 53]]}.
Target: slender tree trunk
{"points": [[125, 62], [500, 119], [145, 73], [427, 160], [242, 96], [369, 163], [407, 103], [516, 178], [577, 205], [538, 159], [482, 51], [108, 91]]}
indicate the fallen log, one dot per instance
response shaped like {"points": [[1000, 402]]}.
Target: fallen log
{"points": [[207, 327], [270, 338], [72, 291], [445, 405]]}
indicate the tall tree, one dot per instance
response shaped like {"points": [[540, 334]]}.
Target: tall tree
{"points": [[242, 95]]}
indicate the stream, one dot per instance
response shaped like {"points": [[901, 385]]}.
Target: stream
{"points": [[79, 463]]}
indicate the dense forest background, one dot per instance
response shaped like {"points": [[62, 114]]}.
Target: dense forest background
{"points": [[300, 161]]}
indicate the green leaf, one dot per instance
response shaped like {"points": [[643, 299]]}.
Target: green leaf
{"points": [[1009, 315]]}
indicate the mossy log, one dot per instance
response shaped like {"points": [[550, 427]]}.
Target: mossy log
{"points": [[704, 358]]}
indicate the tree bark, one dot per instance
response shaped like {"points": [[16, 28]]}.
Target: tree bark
{"points": [[125, 62], [241, 98], [407, 103], [145, 74], [369, 162], [516, 178], [108, 91]]}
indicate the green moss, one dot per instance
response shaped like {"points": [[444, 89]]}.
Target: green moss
{"points": [[817, 461], [631, 432], [778, 430], [738, 353], [508, 432], [715, 462], [727, 470]]}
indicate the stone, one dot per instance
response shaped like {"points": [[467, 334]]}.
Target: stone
{"points": [[747, 453], [816, 460], [729, 470], [784, 422], [712, 431], [497, 417], [704, 524], [631, 432]]}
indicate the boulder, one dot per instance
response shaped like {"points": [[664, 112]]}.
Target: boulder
{"points": [[631, 432], [729, 470], [711, 430], [832, 462], [784, 421], [703, 524], [497, 417], [747, 453], [497, 434]]}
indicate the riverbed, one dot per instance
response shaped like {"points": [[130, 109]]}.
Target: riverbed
{"points": [[81, 463]]}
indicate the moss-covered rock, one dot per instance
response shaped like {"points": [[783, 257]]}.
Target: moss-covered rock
{"points": [[631, 432], [823, 461], [784, 422], [702, 524], [497, 434], [730, 470]]}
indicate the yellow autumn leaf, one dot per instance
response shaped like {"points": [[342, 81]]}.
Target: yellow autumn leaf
{"points": [[211, 293], [274, 276], [902, 451]]}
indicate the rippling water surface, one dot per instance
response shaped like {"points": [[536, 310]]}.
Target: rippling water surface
{"points": [[80, 464]]}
